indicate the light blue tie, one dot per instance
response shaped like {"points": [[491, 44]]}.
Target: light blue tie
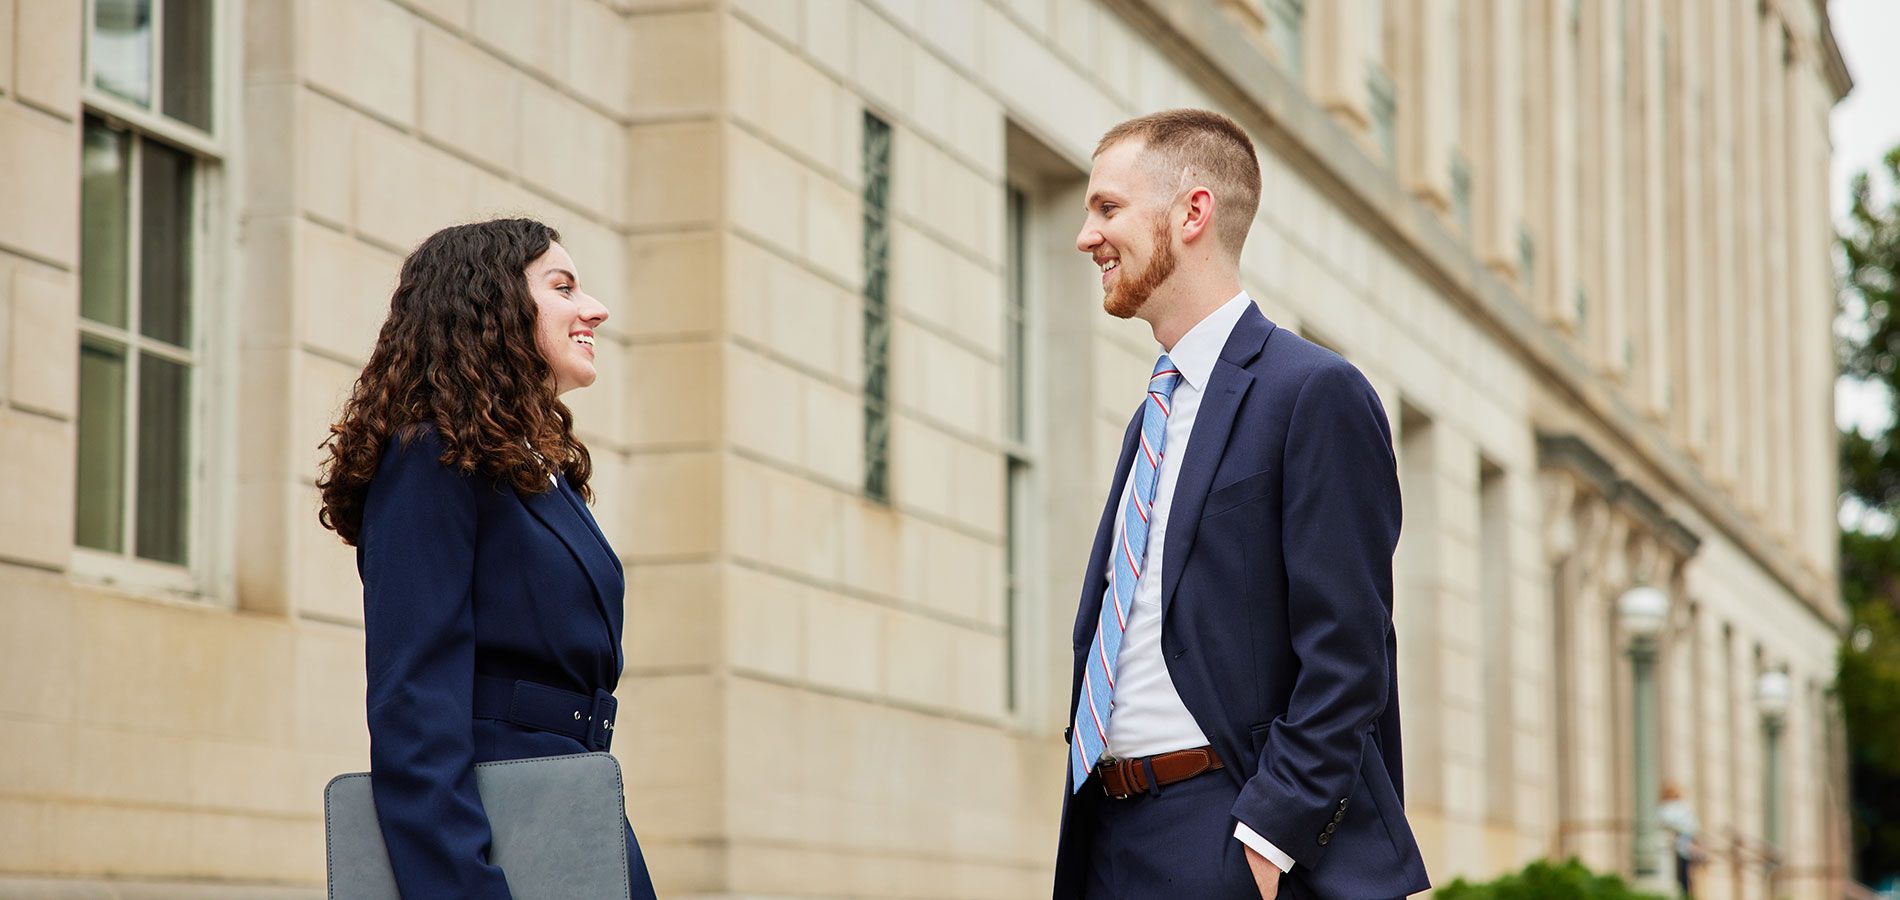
{"points": [[1090, 732]]}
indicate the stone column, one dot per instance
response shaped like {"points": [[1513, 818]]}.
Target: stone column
{"points": [[1586, 731], [1655, 382], [1492, 88], [1336, 65], [1726, 284], [1776, 251], [1603, 225], [1425, 69], [1687, 287], [1814, 301], [1418, 602], [1753, 260], [1551, 159]]}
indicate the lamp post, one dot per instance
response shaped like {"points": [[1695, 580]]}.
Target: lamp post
{"points": [[1643, 611], [1772, 692]]}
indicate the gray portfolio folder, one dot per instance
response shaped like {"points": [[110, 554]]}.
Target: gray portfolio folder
{"points": [[557, 822]]}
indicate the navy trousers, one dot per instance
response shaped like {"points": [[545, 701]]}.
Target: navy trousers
{"points": [[1178, 842]]}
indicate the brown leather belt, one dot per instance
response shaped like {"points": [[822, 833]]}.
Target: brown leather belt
{"points": [[1124, 778]]}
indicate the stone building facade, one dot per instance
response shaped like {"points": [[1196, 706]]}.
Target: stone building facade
{"points": [[860, 404]]}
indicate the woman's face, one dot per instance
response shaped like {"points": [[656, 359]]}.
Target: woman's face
{"points": [[565, 319]]}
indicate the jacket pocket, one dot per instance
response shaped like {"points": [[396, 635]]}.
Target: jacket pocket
{"points": [[1237, 493]]}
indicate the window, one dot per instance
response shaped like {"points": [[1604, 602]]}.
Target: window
{"points": [[1047, 412], [1526, 256], [1461, 191], [1286, 20], [1019, 464], [147, 142], [1497, 609], [154, 55], [1382, 95], [877, 314]]}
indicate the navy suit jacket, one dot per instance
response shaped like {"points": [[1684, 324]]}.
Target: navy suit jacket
{"points": [[462, 576], [1276, 604]]}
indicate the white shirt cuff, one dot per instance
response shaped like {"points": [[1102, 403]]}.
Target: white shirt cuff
{"points": [[1260, 845]]}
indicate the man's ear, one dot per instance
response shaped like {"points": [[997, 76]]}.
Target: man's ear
{"points": [[1198, 216]]}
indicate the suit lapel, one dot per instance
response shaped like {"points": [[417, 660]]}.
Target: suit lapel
{"points": [[580, 508], [1226, 387], [563, 515]]}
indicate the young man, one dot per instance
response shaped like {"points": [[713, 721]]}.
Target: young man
{"points": [[1235, 722]]}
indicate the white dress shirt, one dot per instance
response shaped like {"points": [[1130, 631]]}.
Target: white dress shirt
{"points": [[1149, 717]]}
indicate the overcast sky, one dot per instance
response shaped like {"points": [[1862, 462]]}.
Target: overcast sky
{"points": [[1865, 126]]}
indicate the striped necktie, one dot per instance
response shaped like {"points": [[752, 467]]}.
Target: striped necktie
{"points": [[1090, 732]]}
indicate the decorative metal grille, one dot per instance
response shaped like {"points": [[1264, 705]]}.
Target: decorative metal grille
{"points": [[877, 321]]}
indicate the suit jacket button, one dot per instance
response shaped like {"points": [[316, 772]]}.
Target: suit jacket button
{"points": [[1324, 839], [1339, 815], [1342, 803], [1331, 827]]}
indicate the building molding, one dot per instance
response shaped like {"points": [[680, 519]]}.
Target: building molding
{"points": [[1572, 454], [1833, 64]]}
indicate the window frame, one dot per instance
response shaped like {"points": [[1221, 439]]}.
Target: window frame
{"points": [[209, 344], [1022, 463]]}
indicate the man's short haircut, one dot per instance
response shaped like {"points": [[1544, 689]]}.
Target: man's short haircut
{"points": [[1219, 153]]}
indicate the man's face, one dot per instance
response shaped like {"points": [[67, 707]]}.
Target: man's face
{"points": [[1127, 229]]}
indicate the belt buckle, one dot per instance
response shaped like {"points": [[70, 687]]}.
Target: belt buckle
{"points": [[600, 723], [1109, 762]]}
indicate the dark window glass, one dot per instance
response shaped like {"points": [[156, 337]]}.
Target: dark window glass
{"points": [[164, 417], [100, 516], [165, 244]]}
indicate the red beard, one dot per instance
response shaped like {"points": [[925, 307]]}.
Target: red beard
{"points": [[1131, 291]]}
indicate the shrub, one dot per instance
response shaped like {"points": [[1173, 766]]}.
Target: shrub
{"points": [[1543, 880]]}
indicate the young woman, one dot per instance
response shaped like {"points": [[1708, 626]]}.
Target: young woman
{"points": [[491, 600]]}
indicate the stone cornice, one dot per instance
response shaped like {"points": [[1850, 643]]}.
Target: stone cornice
{"points": [[1835, 65], [1572, 454]]}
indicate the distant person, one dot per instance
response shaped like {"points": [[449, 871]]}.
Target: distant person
{"points": [[1676, 816]]}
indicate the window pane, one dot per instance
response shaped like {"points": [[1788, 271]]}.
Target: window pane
{"points": [[106, 165], [121, 48], [187, 38], [164, 420], [165, 244], [1015, 342], [101, 493]]}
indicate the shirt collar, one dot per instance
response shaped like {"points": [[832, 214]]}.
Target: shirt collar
{"points": [[1194, 354]]}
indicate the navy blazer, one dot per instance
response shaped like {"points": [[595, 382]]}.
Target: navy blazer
{"points": [[462, 575], [1276, 604]]}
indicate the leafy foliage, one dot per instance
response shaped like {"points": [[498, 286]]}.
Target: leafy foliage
{"points": [[1543, 880], [1869, 678]]}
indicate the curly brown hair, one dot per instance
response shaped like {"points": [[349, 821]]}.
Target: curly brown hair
{"points": [[457, 351]]}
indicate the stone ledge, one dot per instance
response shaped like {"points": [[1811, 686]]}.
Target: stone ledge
{"points": [[14, 887]]}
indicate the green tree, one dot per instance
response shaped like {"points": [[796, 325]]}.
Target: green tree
{"points": [[1869, 680]]}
